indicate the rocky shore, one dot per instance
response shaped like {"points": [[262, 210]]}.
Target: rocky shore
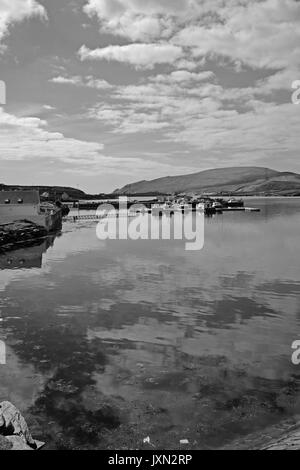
{"points": [[15, 435], [282, 436], [14, 432], [20, 233]]}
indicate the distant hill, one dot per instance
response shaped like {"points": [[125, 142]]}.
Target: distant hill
{"points": [[233, 181], [53, 191]]}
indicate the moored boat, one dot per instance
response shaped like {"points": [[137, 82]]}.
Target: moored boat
{"points": [[217, 205], [235, 202]]}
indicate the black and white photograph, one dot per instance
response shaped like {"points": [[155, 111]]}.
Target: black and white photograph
{"points": [[149, 228]]}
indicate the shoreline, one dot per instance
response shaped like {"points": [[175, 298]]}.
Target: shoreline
{"points": [[284, 435]]}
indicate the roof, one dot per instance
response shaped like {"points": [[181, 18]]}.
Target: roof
{"points": [[28, 197]]}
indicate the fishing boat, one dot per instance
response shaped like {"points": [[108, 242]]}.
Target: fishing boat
{"points": [[235, 202], [217, 205], [200, 207], [182, 207], [161, 209]]}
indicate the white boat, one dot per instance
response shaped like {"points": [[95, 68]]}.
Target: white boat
{"points": [[182, 207], [235, 202], [200, 207], [217, 205], [161, 209]]}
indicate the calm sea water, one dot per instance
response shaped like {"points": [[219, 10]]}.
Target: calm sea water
{"points": [[111, 342]]}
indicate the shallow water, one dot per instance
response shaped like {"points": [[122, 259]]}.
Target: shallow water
{"points": [[110, 342]]}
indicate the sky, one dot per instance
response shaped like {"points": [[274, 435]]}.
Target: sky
{"points": [[102, 93]]}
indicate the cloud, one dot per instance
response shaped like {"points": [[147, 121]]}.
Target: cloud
{"points": [[67, 80], [142, 20], [230, 131], [228, 125], [281, 80], [127, 120], [261, 34], [27, 138], [139, 55], [13, 11], [183, 76], [88, 82], [215, 85], [48, 107], [258, 33]]}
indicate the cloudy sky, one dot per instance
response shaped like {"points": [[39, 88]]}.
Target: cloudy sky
{"points": [[101, 93]]}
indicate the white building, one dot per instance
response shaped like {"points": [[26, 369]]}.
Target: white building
{"points": [[26, 205]]}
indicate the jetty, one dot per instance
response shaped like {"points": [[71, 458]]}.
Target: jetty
{"points": [[240, 209], [208, 211]]}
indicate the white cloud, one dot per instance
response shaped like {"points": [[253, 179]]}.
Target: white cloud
{"points": [[179, 102], [139, 55], [48, 107], [229, 124], [230, 131], [263, 34], [281, 80], [13, 11], [259, 33], [67, 80], [127, 120], [89, 82], [142, 20], [24, 139], [28, 138], [96, 83], [184, 77]]}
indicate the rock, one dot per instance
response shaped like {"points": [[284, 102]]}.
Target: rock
{"points": [[290, 441], [14, 429], [5, 444], [284, 435], [21, 233], [17, 443]]}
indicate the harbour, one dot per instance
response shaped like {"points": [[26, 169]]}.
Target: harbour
{"points": [[209, 206], [142, 338], [25, 207]]}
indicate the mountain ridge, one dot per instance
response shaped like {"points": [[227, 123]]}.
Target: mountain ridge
{"points": [[52, 190], [231, 180]]}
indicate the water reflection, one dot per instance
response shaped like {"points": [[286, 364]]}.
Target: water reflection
{"points": [[26, 258], [113, 341]]}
